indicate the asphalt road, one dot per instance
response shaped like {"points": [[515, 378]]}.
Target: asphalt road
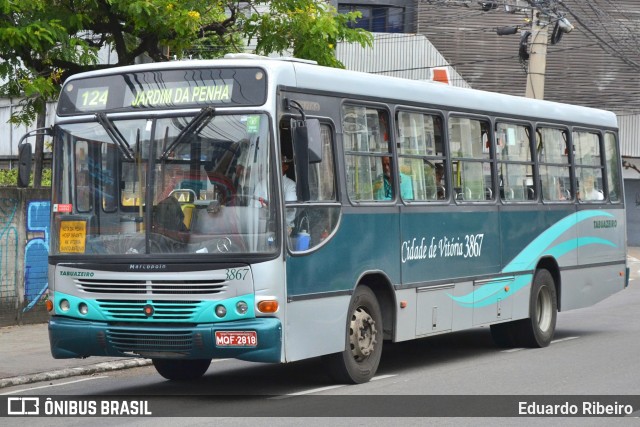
{"points": [[594, 355]]}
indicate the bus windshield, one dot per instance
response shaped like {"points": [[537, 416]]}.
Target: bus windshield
{"points": [[187, 184]]}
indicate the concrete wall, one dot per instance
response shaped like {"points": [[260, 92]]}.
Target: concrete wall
{"points": [[24, 242]]}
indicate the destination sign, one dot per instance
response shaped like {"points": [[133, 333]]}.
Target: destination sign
{"points": [[164, 90], [214, 92]]}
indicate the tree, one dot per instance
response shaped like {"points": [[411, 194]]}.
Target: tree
{"points": [[311, 28], [42, 42]]}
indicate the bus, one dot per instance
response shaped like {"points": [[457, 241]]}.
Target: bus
{"points": [[419, 209]]}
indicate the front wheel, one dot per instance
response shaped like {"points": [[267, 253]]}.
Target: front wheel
{"points": [[181, 369], [359, 362]]}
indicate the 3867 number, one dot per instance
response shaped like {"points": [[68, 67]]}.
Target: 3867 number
{"points": [[237, 273], [473, 245]]}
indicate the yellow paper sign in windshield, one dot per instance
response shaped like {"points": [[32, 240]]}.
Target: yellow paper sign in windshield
{"points": [[73, 236]]}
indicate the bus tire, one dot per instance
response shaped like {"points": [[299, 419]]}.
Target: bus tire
{"points": [[181, 369], [359, 361], [538, 329]]}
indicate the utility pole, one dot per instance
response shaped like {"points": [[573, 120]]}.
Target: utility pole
{"points": [[537, 56]]}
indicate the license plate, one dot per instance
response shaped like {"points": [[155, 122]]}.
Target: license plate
{"points": [[236, 339]]}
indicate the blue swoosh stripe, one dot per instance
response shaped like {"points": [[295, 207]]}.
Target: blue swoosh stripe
{"points": [[490, 293]]}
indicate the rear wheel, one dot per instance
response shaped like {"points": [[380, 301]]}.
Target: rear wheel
{"points": [[359, 362], [181, 369], [538, 329]]}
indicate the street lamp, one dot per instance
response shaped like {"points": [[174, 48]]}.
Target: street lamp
{"points": [[562, 26]]}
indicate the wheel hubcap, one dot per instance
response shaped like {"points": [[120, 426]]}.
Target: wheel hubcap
{"points": [[362, 334], [543, 309]]}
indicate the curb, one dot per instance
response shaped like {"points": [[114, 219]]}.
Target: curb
{"points": [[72, 372]]}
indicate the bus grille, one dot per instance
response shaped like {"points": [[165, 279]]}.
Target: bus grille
{"points": [[117, 310], [159, 341], [152, 287]]}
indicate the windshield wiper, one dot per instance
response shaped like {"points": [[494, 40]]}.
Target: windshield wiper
{"points": [[115, 135], [194, 126]]}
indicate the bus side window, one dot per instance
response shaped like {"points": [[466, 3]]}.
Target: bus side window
{"points": [[322, 183], [515, 162], [612, 160], [420, 156], [470, 146], [366, 144], [316, 220], [588, 164], [553, 157]]}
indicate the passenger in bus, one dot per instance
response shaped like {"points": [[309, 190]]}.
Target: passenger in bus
{"points": [[383, 185], [288, 185], [588, 191]]}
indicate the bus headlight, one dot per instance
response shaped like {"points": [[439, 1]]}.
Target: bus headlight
{"points": [[221, 311], [83, 308], [64, 305], [242, 307]]}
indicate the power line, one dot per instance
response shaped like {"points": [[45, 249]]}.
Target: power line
{"points": [[611, 49]]}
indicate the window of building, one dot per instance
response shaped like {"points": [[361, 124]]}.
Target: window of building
{"points": [[377, 19]]}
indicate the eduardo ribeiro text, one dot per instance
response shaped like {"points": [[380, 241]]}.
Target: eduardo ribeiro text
{"points": [[566, 408]]}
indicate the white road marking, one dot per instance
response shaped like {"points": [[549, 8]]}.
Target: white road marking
{"points": [[330, 387], [513, 350], [381, 377], [564, 339], [302, 393]]}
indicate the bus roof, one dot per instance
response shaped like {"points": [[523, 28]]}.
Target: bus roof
{"points": [[304, 74]]}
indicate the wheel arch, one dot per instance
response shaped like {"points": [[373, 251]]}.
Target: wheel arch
{"points": [[381, 286], [551, 264]]}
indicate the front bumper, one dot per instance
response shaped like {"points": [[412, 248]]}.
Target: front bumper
{"points": [[72, 338]]}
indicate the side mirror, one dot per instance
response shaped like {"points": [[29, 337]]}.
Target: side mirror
{"points": [[307, 133], [314, 137], [301, 156], [24, 165]]}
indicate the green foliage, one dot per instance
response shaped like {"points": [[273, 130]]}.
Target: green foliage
{"points": [[9, 178], [36, 39], [311, 28], [42, 42]]}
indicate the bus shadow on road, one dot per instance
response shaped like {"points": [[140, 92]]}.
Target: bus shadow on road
{"points": [[244, 379]]}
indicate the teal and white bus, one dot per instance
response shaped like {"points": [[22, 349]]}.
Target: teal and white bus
{"points": [[419, 209]]}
